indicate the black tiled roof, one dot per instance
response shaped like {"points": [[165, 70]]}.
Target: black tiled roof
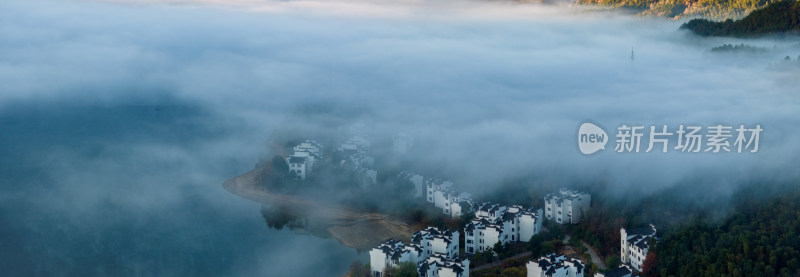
{"points": [[297, 160], [619, 272]]}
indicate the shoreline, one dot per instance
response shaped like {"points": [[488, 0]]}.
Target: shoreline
{"points": [[360, 231]]}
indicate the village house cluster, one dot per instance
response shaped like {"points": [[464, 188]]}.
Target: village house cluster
{"points": [[494, 223], [434, 252]]}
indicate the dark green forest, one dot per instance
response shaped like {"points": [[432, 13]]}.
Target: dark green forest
{"points": [[776, 18], [758, 240]]}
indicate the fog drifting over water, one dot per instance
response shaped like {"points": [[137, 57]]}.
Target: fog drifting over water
{"points": [[121, 119]]}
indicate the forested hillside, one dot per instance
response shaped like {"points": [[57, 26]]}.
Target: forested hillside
{"points": [[759, 240], [715, 9], [779, 17]]}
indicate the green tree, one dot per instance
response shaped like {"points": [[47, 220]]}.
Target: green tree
{"points": [[359, 270], [405, 269], [613, 261], [512, 272], [535, 245]]}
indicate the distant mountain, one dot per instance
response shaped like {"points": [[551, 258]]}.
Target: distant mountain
{"points": [[776, 18], [716, 9]]}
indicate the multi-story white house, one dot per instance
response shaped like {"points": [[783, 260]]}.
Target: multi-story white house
{"points": [[634, 245], [622, 271], [415, 180], [391, 253], [441, 266], [554, 265], [301, 162], [424, 244], [481, 234], [443, 195], [436, 188], [299, 165], [435, 241], [494, 223], [566, 206], [528, 222]]}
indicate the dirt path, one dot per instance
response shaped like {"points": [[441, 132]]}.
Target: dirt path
{"points": [[595, 258]]}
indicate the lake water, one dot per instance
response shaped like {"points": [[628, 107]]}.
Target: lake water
{"points": [[126, 190]]}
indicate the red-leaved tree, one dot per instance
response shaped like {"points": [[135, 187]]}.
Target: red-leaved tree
{"points": [[649, 266]]}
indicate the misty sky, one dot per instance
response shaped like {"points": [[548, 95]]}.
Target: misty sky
{"points": [[120, 120]]}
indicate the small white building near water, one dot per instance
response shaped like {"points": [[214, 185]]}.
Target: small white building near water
{"points": [[431, 242], [302, 160], [391, 253]]}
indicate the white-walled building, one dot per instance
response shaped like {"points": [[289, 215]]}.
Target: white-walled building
{"points": [[441, 266], [442, 194], [622, 271], [302, 160], [391, 253], [494, 223], [415, 180], [299, 165], [529, 222], [430, 242], [635, 244], [554, 265], [435, 241], [567, 206]]}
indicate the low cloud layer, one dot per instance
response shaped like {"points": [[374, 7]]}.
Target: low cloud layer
{"points": [[491, 91]]}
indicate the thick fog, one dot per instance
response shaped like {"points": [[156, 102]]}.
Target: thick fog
{"points": [[121, 119]]}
